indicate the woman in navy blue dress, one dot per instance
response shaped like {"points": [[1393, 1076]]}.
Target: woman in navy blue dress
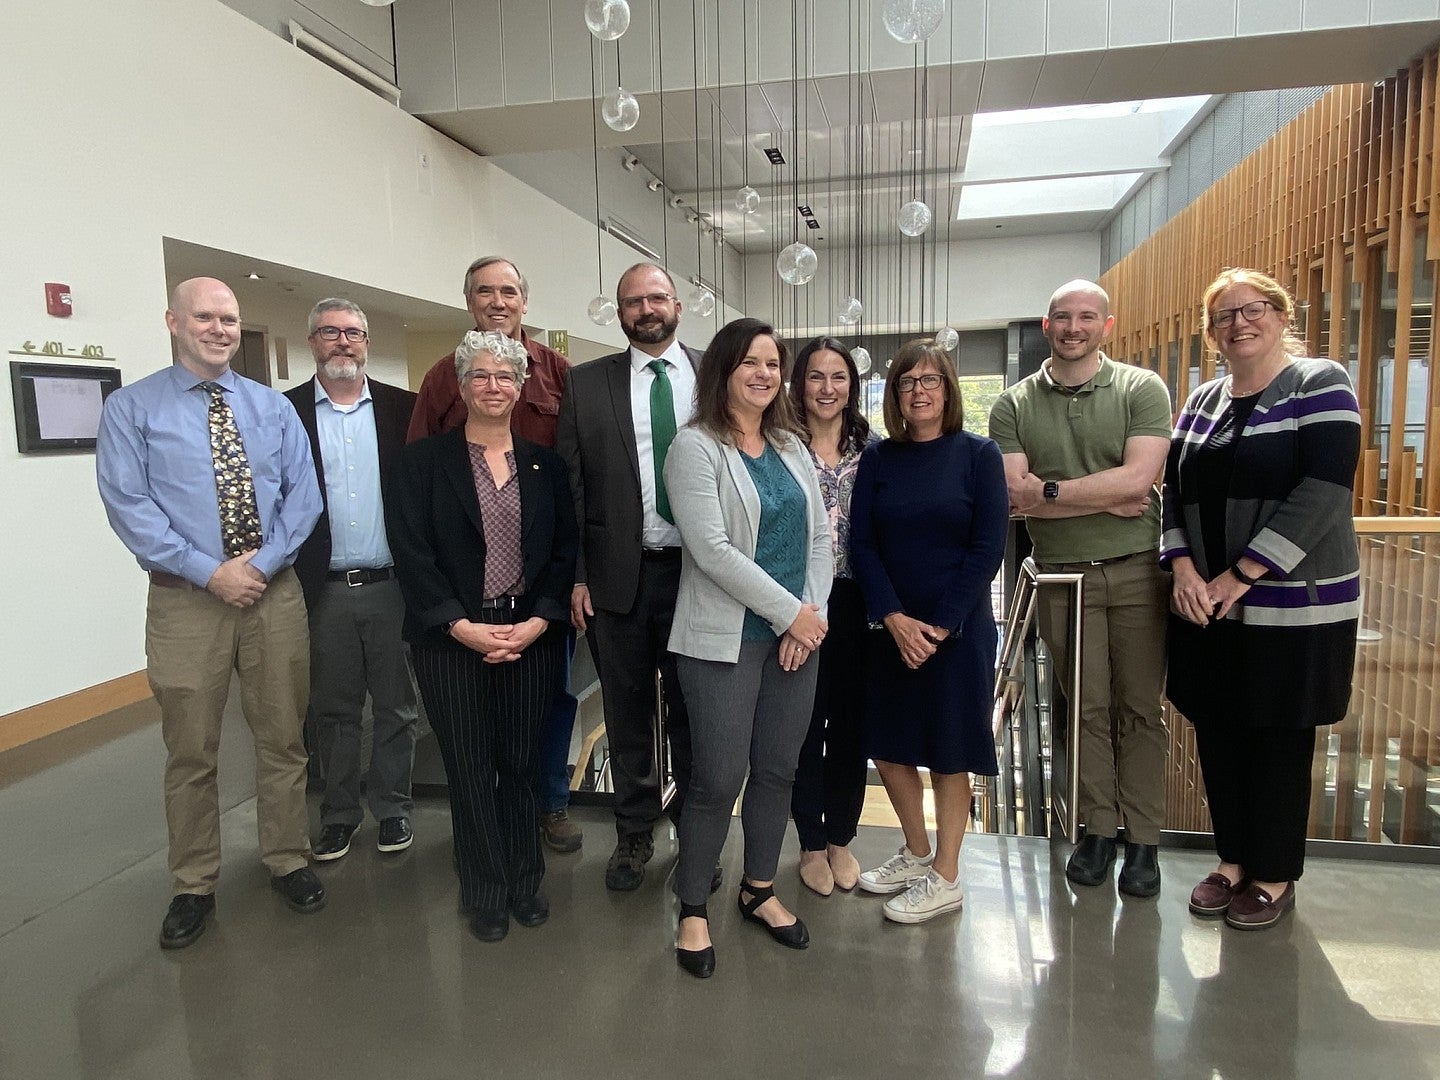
{"points": [[928, 524]]}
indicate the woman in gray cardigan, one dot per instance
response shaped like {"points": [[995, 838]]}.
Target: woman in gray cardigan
{"points": [[1258, 531], [756, 568]]}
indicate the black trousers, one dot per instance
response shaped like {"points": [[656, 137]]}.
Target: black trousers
{"points": [[629, 648], [829, 790], [1257, 782], [489, 720]]}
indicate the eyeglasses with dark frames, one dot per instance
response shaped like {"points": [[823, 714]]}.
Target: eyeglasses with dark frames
{"points": [[930, 381], [332, 333], [1220, 318]]}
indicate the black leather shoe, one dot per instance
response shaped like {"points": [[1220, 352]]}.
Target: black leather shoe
{"points": [[334, 842], [1140, 873], [717, 879], [794, 936], [301, 889], [185, 920], [530, 910], [395, 834], [488, 925], [698, 962], [1090, 861], [626, 869]]}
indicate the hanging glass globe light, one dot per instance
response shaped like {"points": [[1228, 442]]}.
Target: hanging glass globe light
{"points": [[607, 19], [620, 110], [702, 301], [747, 200], [797, 264], [861, 356], [601, 311], [912, 21], [849, 311], [914, 218], [947, 338]]}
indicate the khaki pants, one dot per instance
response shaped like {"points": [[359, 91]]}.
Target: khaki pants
{"points": [[1123, 740], [193, 642]]}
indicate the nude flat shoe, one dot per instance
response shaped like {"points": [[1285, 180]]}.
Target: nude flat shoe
{"points": [[815, 872], [844, 868]]}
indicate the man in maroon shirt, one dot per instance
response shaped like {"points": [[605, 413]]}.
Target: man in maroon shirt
{"points": [[498, 296]]}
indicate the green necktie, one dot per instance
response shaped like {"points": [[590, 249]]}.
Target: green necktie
{"points": [[662, 432]]}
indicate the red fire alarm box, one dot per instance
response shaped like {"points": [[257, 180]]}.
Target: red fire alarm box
{"points": [[57, 299]]}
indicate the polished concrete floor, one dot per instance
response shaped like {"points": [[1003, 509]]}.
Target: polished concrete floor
{"points": [[1032, 979]]}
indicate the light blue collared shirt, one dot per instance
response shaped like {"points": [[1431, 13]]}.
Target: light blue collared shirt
{"points": [[350, 456], [157, 475]]}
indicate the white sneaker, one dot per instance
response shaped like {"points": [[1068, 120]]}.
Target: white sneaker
{"points": [[930, 896], [896, 874]]}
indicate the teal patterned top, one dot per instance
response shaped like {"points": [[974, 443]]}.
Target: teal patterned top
{"points": [[783, 541]]}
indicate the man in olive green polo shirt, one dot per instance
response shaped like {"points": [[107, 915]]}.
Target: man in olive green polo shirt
{"points": [[1084, 440]]}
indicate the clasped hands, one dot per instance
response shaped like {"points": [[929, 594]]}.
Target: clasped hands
{"points": [[803, 637], [1199, 601], [917, 640], [499, 643], [236, 582]]}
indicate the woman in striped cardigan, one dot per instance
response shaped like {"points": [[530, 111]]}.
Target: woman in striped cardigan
{"points": [[1258, 531]]}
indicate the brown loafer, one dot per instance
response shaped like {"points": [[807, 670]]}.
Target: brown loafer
{"points": [[1255, 909], [1213, 895]]}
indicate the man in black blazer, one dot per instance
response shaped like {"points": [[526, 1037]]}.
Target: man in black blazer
{"points": [[628, 571], [357, 429]]}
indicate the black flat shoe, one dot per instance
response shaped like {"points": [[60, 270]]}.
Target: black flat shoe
{"points": [[1140, 873], [185, 920], [698, 962], [1091, 860], [794, 936], [489, 925], [301, 889], [530, 910]]}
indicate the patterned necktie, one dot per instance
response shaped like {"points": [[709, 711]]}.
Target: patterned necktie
{"points": [[662, 432], [239, 514]]}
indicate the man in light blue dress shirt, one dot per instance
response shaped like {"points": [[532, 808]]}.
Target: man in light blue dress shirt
{"points": [[208, 613], [356, 427]]}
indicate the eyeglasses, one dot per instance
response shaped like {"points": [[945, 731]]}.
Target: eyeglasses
{"points": [[1223, 317], [906, 383], [332, 333], [654, 299], [502, 379]]}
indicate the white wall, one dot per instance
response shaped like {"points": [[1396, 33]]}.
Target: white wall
{"points": [[990, 283], [181, 118]]}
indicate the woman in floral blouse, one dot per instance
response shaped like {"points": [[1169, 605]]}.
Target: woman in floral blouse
{"points": [[830, 779]]}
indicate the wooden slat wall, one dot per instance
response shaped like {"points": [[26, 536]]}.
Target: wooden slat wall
{"points": [[1338, 207]]}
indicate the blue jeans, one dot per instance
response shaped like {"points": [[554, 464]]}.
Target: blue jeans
{"points": [[555, 750]]}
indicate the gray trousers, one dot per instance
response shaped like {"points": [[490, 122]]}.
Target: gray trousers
{"points": [[355, 647], [750, 713]]}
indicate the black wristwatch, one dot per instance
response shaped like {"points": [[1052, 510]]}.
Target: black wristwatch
{"points": [[1052, 490]]}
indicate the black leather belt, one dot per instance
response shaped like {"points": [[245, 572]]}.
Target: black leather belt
{"points": [[498, 603], [363, 576], [662, 554]]}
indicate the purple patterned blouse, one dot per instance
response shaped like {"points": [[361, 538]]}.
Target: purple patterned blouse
{"points": [[500, 514]]}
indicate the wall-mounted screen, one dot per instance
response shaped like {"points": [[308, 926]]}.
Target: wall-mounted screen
{"points": [[57, 406]]}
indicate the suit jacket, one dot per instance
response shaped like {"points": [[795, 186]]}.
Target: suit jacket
{"points": [[717, 510], [596, 437], [438, 536], [392, 407]]}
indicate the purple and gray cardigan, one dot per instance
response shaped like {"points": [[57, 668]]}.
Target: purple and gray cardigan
{"points": [[1290, 501]]}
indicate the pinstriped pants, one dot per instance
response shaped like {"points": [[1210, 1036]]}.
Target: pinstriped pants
{"points": [[489, 720]]}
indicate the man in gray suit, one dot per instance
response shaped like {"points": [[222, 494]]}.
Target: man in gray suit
{"points": [[616, 419]]}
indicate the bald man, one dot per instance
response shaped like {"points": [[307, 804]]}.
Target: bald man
{"points": [[1084, 440], [207, 479]]}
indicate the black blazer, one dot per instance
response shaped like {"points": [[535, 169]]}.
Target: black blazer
{"points": [[438, 538], [596, 437], [393, 407]]}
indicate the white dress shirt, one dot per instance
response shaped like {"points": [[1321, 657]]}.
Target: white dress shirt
{"points": [[658, 532]]}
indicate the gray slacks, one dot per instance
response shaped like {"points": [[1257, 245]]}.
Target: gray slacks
{"points": [[750, 713], [355, 646]]}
